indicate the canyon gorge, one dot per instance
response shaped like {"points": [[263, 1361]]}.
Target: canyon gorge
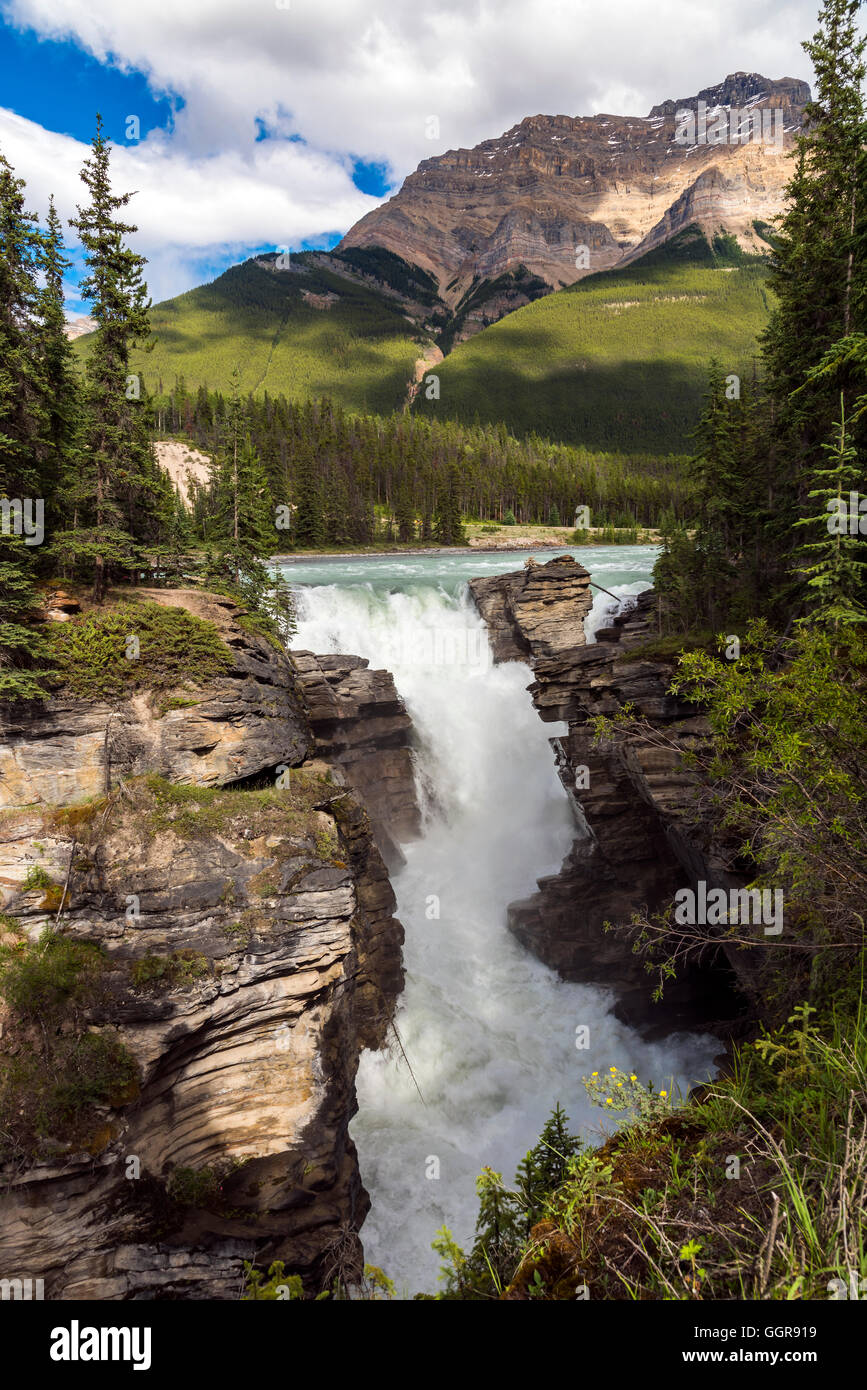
{"points": [[225, 849]]}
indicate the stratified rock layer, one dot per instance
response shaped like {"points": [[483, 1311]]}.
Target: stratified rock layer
{"points": [[537, 612], [361, 726], [247, 1067], [233, 726], [249, 953]]}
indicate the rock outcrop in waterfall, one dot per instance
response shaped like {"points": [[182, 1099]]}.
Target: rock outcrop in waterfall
{"points": [[639, 836]]}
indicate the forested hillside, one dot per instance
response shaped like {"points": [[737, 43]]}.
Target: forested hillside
{"points": [[341, 469], [618, 360], [300, 331]]}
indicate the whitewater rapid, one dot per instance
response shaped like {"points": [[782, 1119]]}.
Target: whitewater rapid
{"points": [[490, 1032]]}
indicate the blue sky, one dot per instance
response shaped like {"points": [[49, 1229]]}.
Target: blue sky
{"points": [[282, 122], [58, 85], [62, 87]]}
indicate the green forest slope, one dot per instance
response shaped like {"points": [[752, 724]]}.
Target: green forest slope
{"points": [[619, 360], [359, 351]]}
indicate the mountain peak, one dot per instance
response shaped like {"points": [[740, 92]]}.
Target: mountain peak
{"points": [[561, 197], [744, 89]]}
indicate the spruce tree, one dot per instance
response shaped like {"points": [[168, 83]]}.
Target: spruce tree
{"points": [[60, 379], [405, 513], [546, 1166], [24, 651], [309, 521], [131, 497], [814, 275], [497, 1245], [22, 394], [448, 526], [242, 523], [833, 564], [22, 432]]}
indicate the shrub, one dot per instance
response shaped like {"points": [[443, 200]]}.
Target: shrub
{"points": [[193, 1187], [41, 981], [174, 646], [36, 877], [168, 972], [49, 1090]]}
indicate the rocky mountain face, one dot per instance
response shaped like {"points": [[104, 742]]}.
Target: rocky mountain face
{"points": [[246, 953], [566, 196], [639, 837]]}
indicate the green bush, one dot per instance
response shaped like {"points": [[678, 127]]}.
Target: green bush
{"points": [[52, 1077], [168, 972], [41, 981], [90, 651], [48, 1094], [193, 1187], [36, 877]]}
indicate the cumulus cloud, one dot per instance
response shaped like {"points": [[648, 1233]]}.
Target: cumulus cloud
{"points": [[191, 210], [361, 76], [357, 79]]}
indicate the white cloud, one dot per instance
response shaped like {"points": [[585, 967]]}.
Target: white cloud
{"points": [[190, 210], [357, 78], [361, 75]]}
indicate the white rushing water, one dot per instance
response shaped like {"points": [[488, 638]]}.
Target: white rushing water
{"points": [[490, 1032]]}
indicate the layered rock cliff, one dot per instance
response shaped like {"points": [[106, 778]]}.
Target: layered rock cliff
{"points": [[221, 895], [615, 185], [361, 726], [640, 836]]}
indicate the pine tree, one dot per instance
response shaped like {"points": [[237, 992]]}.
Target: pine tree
{"points": [[309, 522], [242, 524], [814, 252], [833, 564], [448, 526], [497, 1244], [22, 420], [405, 513], [60, 381], [546, 1166], [22, 431], [243, 520], [23, 650], [132, 499]]}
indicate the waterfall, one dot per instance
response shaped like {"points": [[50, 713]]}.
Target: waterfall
{"points": [[489, 1031]]}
